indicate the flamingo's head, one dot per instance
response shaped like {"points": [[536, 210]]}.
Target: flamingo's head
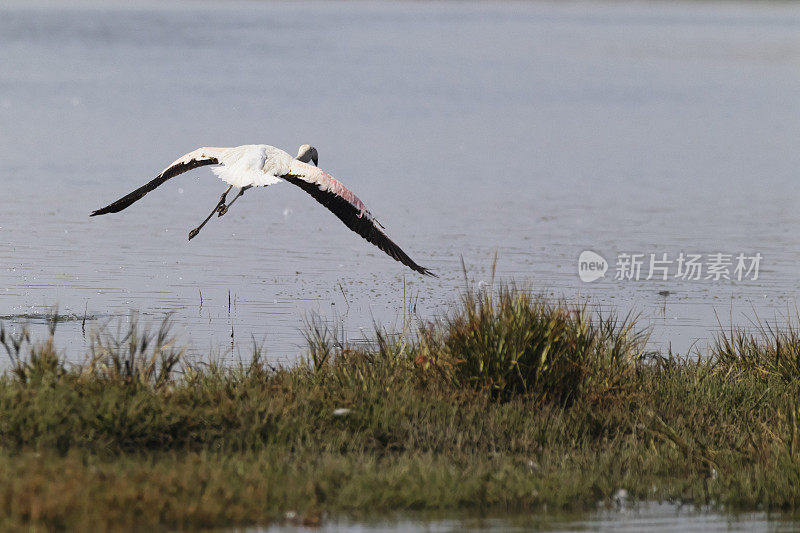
{"points": [[307, 153]]}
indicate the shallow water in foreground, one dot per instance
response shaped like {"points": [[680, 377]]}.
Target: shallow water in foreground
{"points": [[653, 516], [534, 131]]}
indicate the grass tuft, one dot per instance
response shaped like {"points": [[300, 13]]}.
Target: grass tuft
{"points": [[769, 351], [512, 342], [137, 356]]}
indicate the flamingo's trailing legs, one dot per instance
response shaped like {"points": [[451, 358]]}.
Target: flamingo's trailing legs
{"points": [[217, 209]]}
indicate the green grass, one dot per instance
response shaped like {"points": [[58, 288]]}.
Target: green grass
{"points": [[511, 403]]}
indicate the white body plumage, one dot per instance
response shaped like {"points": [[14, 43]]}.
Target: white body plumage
{"points": [[256, 165]]}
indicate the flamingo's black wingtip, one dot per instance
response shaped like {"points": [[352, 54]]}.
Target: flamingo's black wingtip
{"points": [[427, 272], [103, 211]]}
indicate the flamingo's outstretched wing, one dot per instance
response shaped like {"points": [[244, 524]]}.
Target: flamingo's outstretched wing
{"points": [[197, 158], [344, 204]]}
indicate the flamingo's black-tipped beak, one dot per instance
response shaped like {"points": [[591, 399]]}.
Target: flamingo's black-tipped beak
{"points": [[315, 159]]}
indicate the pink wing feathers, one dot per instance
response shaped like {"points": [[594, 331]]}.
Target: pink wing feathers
{"points": [[343, 203]]}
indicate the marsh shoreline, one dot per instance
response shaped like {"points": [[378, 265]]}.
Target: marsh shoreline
{"points": [[511, 404]]}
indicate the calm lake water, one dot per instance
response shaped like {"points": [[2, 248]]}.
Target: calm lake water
{"points": [[533, 131]]}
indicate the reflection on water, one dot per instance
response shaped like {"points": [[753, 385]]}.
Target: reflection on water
{"points": [[647, 517], [536, 131]]}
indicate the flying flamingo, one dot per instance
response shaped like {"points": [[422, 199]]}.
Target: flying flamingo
{"points": [[260, 165]]}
